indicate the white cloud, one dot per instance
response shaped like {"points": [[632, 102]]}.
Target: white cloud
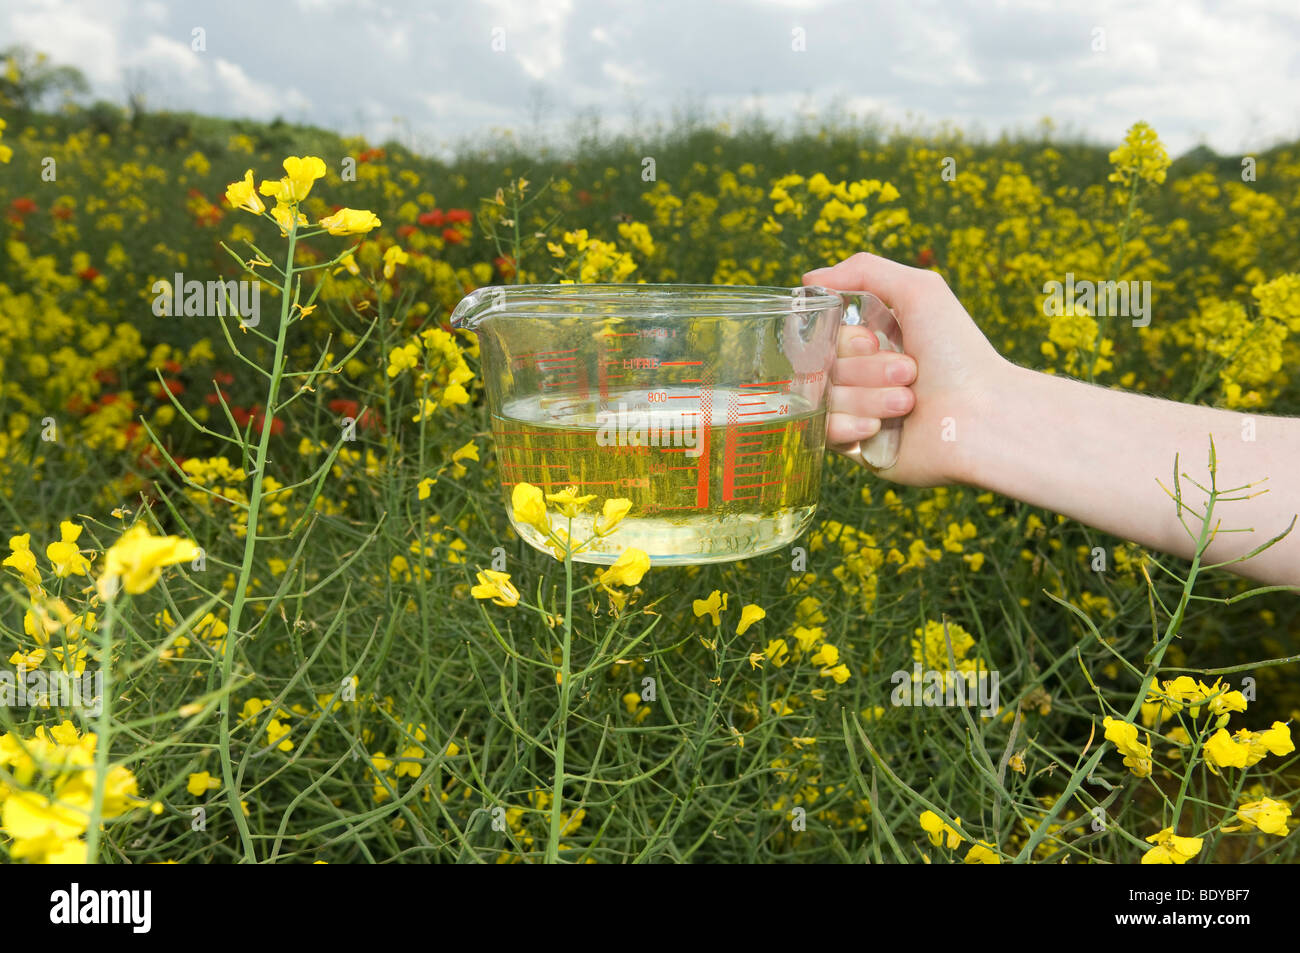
{"points": [[251, 98], [1194, 69], [169, 60], [622, 75], [83, 34], [534, 32]]}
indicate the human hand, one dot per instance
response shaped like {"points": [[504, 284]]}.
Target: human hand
{"points": [[948, 370]]}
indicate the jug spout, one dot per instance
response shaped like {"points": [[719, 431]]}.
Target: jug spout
{"points": [[476, 306]]}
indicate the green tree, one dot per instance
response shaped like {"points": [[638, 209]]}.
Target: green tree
{"points": [[28, 79]]}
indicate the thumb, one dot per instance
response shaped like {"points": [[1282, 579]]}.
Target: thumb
{"points": [[897, 285]]}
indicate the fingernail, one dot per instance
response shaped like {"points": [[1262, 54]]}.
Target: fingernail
{"points": [[865, 425], [897, 401], [862, 344], [899, 372]]}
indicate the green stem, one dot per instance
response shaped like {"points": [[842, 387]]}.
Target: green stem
{"points": [[1157, 654], [557, 791], [1187, 779], [250, 548], [1114, 273], [103, 731]]}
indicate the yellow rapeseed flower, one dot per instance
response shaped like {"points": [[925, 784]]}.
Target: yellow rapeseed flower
{"points": [[137, 559], [497, 587], [1141, 157], [612, 514], [200, 783], [1171, 849], [712, 606], [64, 555], [568, 502], [22, 560], [243, 195], [748, 616], [301, 174], [1267, 815], [981, 853], [529, 506], [393, 257], [350, 221], [631, 565]]}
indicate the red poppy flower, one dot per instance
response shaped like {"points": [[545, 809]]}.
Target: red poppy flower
{"points": [[926, 258], [242, 417], [88, 274], [459, 215], [452, 237], [404, 231], [431, 218]]}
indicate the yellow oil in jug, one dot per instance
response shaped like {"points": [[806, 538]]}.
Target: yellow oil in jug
{"points": [[712, 476]]}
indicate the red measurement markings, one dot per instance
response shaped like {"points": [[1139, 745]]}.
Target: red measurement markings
{"points": [[548, 432], [704, 416], [604, 376], [741, 439], [680, 363], [729, 462], [574, 483], [765, 384]]}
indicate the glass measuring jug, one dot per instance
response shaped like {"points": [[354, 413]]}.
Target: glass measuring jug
{"points": [[704, 405]]}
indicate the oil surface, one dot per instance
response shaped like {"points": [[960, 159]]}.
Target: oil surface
{"points": [[713, 474]]}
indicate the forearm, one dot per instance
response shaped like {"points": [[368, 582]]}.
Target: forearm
{"points": [[1095, 455]]}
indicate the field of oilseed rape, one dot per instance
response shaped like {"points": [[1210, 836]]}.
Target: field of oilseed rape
{"points": [[261, 600]]}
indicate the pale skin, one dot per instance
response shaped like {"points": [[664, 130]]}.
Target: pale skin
{"points": [[1094, 454]]}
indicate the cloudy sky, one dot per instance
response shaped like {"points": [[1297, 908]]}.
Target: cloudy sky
{"points": [[430, 73]]}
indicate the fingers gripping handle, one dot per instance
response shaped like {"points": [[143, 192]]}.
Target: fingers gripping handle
{"points": [[879, 452]]}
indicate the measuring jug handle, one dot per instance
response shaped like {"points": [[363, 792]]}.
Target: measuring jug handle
{"points": [[878, 452]]}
